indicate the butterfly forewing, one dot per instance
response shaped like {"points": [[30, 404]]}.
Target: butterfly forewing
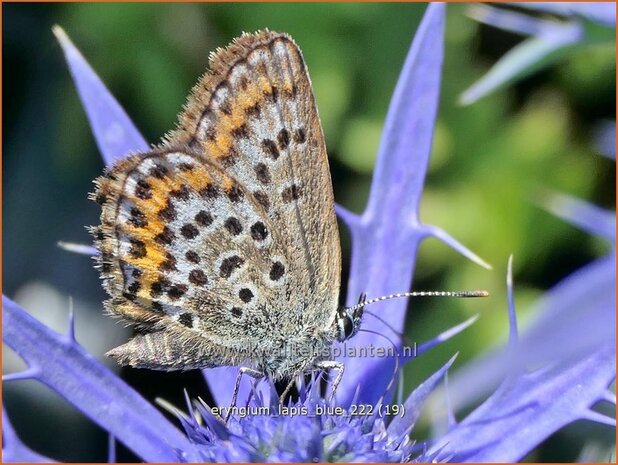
{"points": [[255, 114]]}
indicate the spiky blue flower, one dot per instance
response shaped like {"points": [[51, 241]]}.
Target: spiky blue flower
{"points": [[526, 408], [581, 25]]}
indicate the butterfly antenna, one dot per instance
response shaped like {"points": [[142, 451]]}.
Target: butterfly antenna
{"points": [[399, 295], [395, 370], [401, 336]]}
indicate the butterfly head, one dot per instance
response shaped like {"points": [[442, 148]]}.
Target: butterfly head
{"points": [[349, 319]]}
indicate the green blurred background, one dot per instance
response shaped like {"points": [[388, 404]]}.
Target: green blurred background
{"points": [[491, 161]]}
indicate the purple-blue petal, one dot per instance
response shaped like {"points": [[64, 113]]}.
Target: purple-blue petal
{"points": [[575, 318], [81, 249], [402, 424], [510, 296], [386, 238], [524, 59], [586, 216], [114, 132], [453, 243], [605, 139], [405, 146], [526, 410], [111, 448], [511, 21], [550, 41], [444, 336], [600, 12], [98, 393]]}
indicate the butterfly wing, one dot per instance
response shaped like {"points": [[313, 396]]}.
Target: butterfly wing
{"points": [[255, 114], [227, 234]]}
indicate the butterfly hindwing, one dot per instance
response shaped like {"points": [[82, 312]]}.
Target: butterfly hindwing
{"points": [[184, 242]]}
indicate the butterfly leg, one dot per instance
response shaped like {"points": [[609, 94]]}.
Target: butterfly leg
{"points": [[243, 371], [288, 388], [327, 364]]}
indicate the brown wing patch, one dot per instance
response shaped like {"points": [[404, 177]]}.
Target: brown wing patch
{"points": [[184, 245]]}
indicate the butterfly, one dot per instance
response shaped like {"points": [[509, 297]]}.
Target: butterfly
{"points": [[221, 244]]}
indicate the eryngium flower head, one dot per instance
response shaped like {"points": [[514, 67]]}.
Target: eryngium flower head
{"points": [[307, 430]]}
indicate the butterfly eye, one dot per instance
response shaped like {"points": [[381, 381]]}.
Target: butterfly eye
{"points": [[345, 325]]}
